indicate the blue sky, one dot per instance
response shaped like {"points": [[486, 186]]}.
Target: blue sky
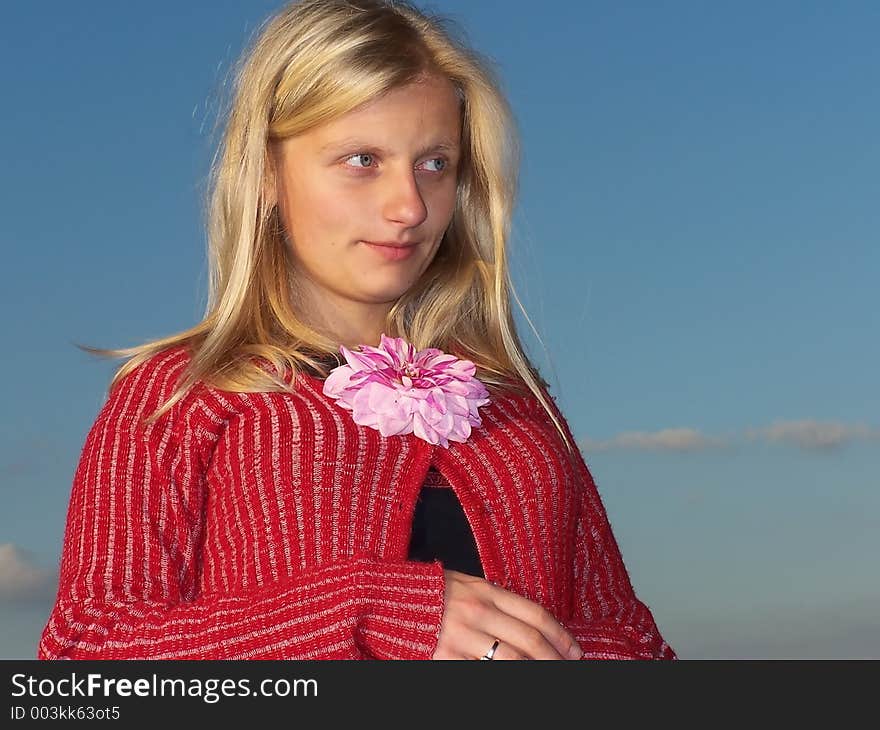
{"points": [[696, 242]]}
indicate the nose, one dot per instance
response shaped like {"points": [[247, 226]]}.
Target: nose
{"points": [[403, 201]]}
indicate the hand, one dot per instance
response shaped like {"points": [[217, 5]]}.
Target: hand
{"points": [[476, 612]]}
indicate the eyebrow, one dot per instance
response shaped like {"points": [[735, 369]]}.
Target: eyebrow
{"points": [[359, 144]]}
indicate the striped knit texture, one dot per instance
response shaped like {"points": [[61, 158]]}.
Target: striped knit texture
{"points": [[271, 526]]}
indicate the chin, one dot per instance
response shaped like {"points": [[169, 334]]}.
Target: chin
{"points": [[385, 288], [385, 293], [386, 296]]}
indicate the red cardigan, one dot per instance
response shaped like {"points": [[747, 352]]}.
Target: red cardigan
{"points": [[271, 526]]}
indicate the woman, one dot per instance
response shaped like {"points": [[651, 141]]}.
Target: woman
{"points": [[246, 493]]}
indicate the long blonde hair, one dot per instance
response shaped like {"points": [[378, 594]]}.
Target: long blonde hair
{"points": [[313, 61]]}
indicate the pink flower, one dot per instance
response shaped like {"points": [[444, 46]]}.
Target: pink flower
{"points": [[398, 390]]}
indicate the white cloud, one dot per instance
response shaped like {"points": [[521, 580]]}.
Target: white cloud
{"points": [[813, 435], [668, 439], [20, 580], [809, 435]]}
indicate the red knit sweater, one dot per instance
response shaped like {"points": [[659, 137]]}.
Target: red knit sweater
{"points": [[271, 526]]}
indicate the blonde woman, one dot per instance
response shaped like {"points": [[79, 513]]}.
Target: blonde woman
{"points": [[351, 456]]}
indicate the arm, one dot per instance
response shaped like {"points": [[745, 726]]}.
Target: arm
{"points": [[131, 560], [607, 619]]}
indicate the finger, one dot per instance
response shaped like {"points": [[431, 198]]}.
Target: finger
{"points": [[539, 619], [504, 651], [522, 638]]}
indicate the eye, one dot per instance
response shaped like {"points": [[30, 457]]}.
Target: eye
{"points": [[441, 164], [365, 159]]}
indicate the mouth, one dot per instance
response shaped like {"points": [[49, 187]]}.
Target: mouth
{"points": [[390, 250]]}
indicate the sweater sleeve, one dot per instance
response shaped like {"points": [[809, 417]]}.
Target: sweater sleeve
{"points": [[131, 559], [607, 619]]}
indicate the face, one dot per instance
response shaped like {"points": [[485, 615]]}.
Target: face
{"points": [[366, 198]]}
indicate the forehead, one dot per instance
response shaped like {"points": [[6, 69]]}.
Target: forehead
{"points": [[407, 113]]}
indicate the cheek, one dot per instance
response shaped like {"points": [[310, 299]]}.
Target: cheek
{"points": [[317, 212], [444, 206]]}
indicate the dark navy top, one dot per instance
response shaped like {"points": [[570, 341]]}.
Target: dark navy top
{"points": [[440, 530]]}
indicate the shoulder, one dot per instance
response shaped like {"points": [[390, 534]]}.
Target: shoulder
{"points": [[144, 385], [157, 402], [541, 416], [515, 391], [153, 376]]}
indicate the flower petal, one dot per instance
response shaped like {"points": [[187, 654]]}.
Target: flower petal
{"points": [[423, 430], [389, 425], [382, 399], [398, 390]]}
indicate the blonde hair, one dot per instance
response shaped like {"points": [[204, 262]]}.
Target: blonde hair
{"points": [[313, 61]]}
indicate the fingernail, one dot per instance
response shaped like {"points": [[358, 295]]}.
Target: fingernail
{"points": [[575, 652]]}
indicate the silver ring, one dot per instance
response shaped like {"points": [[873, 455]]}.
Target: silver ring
{"points": [[491, 653]]}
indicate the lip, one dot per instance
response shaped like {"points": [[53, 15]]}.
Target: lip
{"points": [[392, 251]]}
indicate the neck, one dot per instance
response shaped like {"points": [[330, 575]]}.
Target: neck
{"points": [[347, 322]]}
